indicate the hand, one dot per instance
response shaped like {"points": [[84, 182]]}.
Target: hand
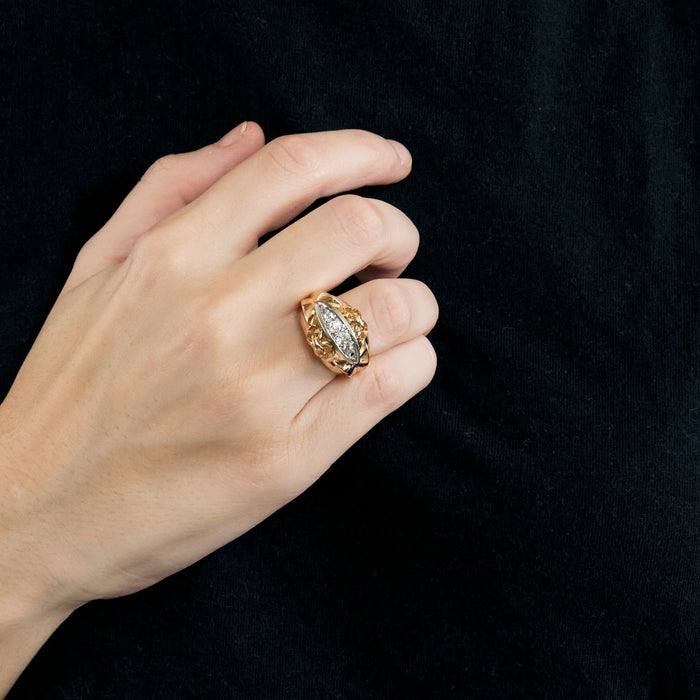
{"points": [[170, 402]]}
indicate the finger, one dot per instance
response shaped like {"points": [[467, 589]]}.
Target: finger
{"points": [[331, 243], [169, 184], [395, 311], [345, 409], [285, 177]]}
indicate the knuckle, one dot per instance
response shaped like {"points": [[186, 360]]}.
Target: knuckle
{"points": [[392, 310], [429, 303], [294, 155], [88, 248], [425, 364], [154, 256], [435, 314], [414, 238], [161, 167], [144, 253], [384, 387], [359, 221], [430, 358]]}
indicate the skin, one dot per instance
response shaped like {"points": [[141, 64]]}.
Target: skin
{"points": [[170, 402]]}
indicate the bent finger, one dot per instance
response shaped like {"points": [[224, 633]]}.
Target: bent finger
{"points": [[395, 311], [345, 409], [283, 179], [169, 184], [331, 243]]}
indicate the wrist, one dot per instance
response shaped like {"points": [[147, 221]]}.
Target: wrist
{"points": [[29, 609], [30, 582], [23, 631]]}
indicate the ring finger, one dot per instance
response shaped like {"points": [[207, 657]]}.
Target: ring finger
{"points": [[395, 310]]}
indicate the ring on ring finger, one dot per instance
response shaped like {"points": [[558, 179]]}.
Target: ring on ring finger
{"points": [[335, 331]]}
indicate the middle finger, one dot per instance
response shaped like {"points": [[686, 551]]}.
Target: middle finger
{"points": [[345, 235]]}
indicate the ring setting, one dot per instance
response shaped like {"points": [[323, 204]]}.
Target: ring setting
{"points": [[335, 331]]}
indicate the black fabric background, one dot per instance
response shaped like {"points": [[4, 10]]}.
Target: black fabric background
{"points": [[529, 525]]}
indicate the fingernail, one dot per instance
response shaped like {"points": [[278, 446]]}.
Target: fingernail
{"points": [[233, 135], [401, 151]]}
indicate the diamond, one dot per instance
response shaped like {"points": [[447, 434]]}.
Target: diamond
{"points": [[338, 330]]}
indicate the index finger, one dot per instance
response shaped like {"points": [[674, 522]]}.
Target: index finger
{"points": [[283, 178]]}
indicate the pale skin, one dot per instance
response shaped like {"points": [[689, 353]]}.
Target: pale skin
{"points": [[170, 402]]}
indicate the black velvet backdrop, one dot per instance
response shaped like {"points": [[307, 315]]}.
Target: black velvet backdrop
{"points": [[529, 525]]}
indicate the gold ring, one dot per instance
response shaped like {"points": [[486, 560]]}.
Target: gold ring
{"points": [[336, 332]]}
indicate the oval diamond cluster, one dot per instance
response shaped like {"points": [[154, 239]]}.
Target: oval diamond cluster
{"points": [[338, 330]]}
